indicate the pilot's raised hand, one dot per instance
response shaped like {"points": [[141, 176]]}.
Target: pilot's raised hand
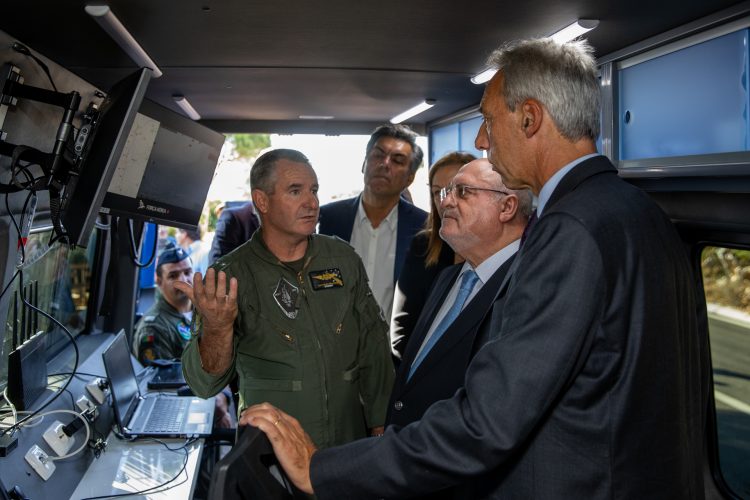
{"points": [[216, 310]]}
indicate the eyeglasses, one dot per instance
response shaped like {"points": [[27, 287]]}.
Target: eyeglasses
{"points": [[463, 191]]}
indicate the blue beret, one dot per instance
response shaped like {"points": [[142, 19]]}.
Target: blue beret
{"points": [[171, 255]]}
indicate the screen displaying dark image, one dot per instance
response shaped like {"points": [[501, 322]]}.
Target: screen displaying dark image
{"points": [[165, 169]]}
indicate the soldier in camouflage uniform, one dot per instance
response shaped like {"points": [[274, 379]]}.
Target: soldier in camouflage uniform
{"points": [[165, 328]]}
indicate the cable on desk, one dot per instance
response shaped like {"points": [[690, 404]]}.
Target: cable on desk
{"points": [[157, 488]]}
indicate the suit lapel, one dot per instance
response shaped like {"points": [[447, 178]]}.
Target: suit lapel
{"points": [[347, 221], [465, 326], [570, 181], [404, 235], [442, 286], [579, 173]]}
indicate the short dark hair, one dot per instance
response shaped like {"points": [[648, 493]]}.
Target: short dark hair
{"points": [[403, 133], [194, 235], [171, 255], [263, 171]]}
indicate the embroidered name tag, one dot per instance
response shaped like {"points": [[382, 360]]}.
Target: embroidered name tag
{"points": [[327, 278]]}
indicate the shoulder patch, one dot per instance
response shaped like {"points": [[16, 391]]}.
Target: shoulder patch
{"points": [[184, 331]]}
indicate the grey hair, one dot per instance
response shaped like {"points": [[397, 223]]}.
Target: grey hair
{"points": [[525, 203], [562, 77], [263, 171]]}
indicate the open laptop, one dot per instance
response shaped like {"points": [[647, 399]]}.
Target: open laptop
{"points": [[159, 415]]}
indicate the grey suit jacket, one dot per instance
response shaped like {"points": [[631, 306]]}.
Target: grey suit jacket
{"points": [[596, 385]]}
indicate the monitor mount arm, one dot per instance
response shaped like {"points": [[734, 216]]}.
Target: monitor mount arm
{"points": [[56, 167]]}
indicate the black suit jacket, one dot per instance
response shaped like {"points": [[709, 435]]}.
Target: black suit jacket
{"points": [[442, 371], [412, 289], [595, 385], [235, 226], [337, 219]]}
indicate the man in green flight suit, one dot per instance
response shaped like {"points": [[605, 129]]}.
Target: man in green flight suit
{"points": [[165, 328], [292, 314]]}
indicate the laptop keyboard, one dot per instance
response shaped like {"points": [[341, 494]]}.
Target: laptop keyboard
{"points": [[167, 415]]}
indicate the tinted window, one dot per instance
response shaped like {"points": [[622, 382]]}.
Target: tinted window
{"points": [[726, 274]]}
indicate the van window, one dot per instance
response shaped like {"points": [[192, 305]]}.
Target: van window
{"points": [[726, 278], [56, 280]]}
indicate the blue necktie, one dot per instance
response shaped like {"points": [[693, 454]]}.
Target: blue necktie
{"points": [[468, 280]]}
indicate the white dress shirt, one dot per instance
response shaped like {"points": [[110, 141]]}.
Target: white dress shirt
{"points": [[484, 271], [377, 249]]}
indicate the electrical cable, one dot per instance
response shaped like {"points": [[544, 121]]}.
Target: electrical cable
{"points": [[156, 489], [79, 375], [85, 424], [12, 407], [22, 49], [133, 252], [48, 316]]}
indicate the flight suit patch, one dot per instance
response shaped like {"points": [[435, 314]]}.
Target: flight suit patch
{"points": [[286, 295], [327, 278]]}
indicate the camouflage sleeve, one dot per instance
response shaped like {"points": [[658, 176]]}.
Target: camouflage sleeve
{"points": [[151, 342], [376, 366]]}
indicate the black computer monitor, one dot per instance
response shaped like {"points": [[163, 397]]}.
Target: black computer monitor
{"points": [[84, 193], [165, 170]]}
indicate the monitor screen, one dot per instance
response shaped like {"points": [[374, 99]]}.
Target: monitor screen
{"points": [[165, 170], [84, 193]]}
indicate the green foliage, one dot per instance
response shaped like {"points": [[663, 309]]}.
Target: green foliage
{"points": [[210, 213], [726, 277], [247, 146]]}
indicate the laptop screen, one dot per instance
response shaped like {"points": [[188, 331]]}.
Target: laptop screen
{"points": [[122, 380]]}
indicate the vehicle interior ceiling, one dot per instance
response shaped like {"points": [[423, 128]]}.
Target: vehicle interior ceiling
{"points": [[250, 66]]}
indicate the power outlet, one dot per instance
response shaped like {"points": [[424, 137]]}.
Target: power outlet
{"points": [[85, 404], [96, 388], [40, 462], [57, 439]]}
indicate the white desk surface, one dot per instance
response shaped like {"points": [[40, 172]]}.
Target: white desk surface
{"points": [[127, 467]]}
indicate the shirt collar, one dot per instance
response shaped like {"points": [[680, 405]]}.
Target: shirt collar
{"points": [[551, 184], [391, 219], [486, 269]]}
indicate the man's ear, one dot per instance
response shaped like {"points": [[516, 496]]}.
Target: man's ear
{"points": [[531, 117], [410, 179], [260, 200], [508, 208]]}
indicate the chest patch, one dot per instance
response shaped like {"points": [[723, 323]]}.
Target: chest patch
{"points": [[327, 278], [286, 295]]}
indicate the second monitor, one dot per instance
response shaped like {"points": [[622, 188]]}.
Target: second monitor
{"points": [[165, 170]]}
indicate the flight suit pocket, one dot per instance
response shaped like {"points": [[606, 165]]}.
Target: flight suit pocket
{"points": [[351, 375]]}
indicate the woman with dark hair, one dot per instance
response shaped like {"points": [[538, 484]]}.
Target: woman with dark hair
{"points": [[427, 256]]}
